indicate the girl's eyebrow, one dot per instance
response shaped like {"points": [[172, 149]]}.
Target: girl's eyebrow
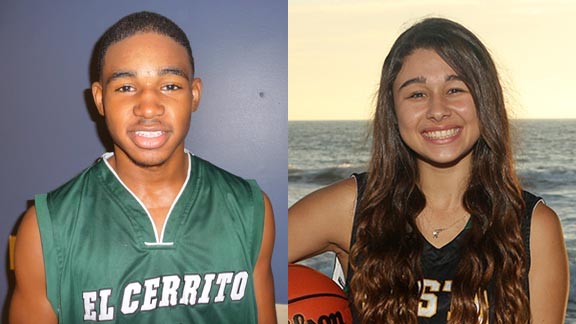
{"points": [[453, 77], [421, 79]]}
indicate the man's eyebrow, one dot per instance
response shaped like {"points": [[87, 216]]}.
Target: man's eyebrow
{"points": [[406, 83], [175, 71], [120, 74], [161, 72]]}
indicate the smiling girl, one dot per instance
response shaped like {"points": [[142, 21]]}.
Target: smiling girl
{"points": [[439, 230]]}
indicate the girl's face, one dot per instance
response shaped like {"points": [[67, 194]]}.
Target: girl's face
{"points": [[435, 109]]}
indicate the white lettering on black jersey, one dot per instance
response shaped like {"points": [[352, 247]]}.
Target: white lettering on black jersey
{"points": [[432, 293]]}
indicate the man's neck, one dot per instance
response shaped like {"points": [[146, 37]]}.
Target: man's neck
{"points": [[148, 181]]}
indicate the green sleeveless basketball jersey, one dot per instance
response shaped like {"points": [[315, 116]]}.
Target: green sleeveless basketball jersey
{"points": [[105, 261]]}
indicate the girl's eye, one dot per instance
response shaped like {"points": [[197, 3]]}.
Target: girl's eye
{"points": [[171, 87], [455, 90], [416, 95], [125, 88]]}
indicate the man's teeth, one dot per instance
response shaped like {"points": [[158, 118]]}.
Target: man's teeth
{"points": [[442, 134], [149, 134]]}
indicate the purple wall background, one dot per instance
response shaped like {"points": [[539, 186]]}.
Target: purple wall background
{"points": [[48, 130]]}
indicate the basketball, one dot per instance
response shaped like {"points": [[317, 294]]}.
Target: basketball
{"points": [[313, 298]]}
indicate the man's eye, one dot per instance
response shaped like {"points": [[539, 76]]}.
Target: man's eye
{"points": [[171, 87], [125, 88]]}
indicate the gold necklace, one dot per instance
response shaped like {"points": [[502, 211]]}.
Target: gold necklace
{"points": [[436, 231]]}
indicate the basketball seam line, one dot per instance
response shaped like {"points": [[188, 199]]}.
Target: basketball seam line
{"points": [[293, 300]]}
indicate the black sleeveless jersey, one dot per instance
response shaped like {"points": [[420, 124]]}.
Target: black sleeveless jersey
{"points": [[439, 265]]}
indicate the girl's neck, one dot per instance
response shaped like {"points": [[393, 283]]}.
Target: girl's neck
{"points": [[444, 186]]}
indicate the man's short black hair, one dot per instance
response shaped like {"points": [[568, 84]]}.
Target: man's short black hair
{"points": [[140, 22]]}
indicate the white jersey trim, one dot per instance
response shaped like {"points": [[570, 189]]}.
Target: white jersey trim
{"points": [[159, 239]]}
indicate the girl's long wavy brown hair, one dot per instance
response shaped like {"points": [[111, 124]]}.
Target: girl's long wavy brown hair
{"points": [[385, 257]]}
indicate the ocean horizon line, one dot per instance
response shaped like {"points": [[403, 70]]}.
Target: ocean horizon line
{"points": [[368, 120]]}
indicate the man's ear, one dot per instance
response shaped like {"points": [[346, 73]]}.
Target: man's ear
{"points": [[196, 88], [97, 95]]}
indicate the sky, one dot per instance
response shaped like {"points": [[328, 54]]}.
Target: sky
{"points": [[336, 49]]}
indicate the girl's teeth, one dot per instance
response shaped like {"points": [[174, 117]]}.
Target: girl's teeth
{"points": [[442, 134]]}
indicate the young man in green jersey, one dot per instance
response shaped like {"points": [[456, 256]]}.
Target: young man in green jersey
{"points": [[150, 233]]}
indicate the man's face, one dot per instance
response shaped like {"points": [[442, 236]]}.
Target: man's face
{"points": [[146, 94]]}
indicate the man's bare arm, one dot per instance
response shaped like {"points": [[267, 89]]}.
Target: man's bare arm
{"points": [[29, 302], [263, 279]]}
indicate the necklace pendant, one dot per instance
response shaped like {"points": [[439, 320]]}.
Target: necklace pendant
{"points": [[435, 233]]}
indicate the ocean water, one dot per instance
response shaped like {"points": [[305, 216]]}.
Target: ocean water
{"points": [[323, 152]]}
